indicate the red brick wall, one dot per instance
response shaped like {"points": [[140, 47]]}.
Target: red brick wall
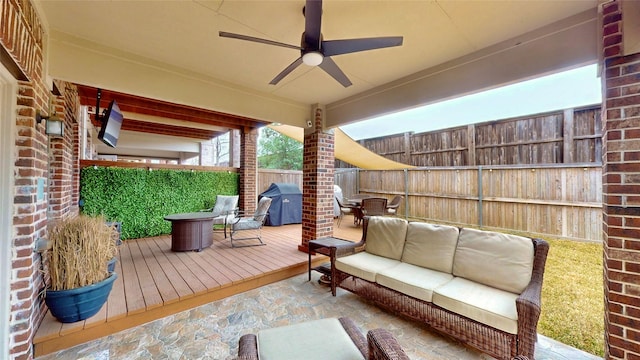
{"points": [[248, 170], [29, 220], [621, 189], [21, 34], [23, 41], [317, 183], [43, 168], [64, 162]]}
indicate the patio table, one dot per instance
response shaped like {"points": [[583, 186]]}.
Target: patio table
{"points": [[191, 231]]}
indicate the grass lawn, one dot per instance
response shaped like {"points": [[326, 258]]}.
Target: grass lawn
{"points": [[572, 295]]}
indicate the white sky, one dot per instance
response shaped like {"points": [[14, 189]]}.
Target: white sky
{"points": [[573, 88]]}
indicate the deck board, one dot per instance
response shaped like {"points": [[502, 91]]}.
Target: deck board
{"points": [[154, 282], [160, 279], [117, 304], [150, 291], [181, 269], [182, 288], [132, 289]]}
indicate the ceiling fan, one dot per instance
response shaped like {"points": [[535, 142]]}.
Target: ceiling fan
{"points": [[314, 51]]}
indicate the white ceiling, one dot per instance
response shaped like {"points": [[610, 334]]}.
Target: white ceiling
{"points": [[171, 50]]}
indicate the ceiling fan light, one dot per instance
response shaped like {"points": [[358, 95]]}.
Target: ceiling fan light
{"points": [[313, 58]]}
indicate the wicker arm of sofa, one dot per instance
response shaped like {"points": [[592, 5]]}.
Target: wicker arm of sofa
{"points": [[529, 303], [383, 346], [344, 250], [248, 347]]}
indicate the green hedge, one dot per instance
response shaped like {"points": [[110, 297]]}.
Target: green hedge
{"points": [[140, 198]]}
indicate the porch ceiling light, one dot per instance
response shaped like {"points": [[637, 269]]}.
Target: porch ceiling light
{"points": [[312, 58]]}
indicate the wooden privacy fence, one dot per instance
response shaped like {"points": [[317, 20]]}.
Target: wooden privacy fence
{"points": [[268, 176], [571, 136], [547, 200], [562, 201]]}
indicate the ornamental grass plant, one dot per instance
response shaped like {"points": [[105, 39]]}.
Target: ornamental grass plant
{"points": [[80, 249], [573, 295]]}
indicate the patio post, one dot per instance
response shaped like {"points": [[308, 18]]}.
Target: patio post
{"points": [[248, 169], [317, 179], [621, 177]]}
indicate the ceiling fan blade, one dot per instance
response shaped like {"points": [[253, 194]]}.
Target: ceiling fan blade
{"points": [[312, 22], [331, 68], [339, 47], [255, 39], [286, 71]]}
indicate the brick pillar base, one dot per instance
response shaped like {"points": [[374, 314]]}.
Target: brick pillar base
{"points": [[317, 182]]}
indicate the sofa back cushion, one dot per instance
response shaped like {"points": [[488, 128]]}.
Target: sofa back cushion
{"points": [[494, 259], [430, 246], [385, 236]]}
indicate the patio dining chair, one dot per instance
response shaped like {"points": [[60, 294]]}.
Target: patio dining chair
{"points": [[372, 206], [346, 209], [392, 207], [253, 223], [224, 210]]}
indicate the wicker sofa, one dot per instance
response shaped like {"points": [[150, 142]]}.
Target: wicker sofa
{"points": [[482, 288]]}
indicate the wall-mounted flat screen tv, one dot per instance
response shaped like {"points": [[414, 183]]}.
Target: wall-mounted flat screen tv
{"points": [[111, 124]]}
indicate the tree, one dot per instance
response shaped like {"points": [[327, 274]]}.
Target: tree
{"points": [[277, 151]]}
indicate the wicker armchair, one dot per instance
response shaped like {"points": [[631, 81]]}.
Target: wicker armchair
{"points": [[378, 345]]}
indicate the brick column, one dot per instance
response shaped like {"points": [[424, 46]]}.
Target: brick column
{"points": [[64, 160], [621, 189], [22, 39], [248, 170], [317, 181]]}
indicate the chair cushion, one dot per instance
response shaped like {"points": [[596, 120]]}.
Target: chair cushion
{"points": [[225, 204], [223, 219], [364, 265], [262, 209], [385, 237], [247, 224], [415, 281], [498, 260], [430, 246], [487, 305], [312, 340]]}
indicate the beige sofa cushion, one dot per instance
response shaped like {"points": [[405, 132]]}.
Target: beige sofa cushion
{"points": [[385, 236], [430, 246], [499, 260], [312, 340], [415, 281], [364, 265], [490, 306]]}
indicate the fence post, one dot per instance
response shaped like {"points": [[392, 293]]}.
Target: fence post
{"points": [[480, 196], [406, 193]]}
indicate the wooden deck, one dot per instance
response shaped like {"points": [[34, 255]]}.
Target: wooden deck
{"points": [[154, 282]]}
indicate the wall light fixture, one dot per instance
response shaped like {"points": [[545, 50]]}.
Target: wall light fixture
{"points": [[54, 126]]}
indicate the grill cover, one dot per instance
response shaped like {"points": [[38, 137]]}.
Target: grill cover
{"points": [[286, 204]]}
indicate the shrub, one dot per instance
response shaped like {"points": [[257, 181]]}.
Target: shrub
{"points": [[80, 249]]}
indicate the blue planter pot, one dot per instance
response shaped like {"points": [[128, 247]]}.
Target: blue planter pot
{"points": [[79, 304], [111, 265]]}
